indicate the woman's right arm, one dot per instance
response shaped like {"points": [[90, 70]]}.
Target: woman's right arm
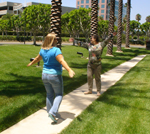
{"points": [[61, 60]]}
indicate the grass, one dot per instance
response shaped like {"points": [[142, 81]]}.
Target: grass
{"points": [[21, 88], [123, 109]]}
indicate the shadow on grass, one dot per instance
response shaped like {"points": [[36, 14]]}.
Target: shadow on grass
{"points": [[78, 65], [22, 85], [28, 86], [112, 95]]}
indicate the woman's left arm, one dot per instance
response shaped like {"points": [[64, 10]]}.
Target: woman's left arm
{"points": [[37, 59], [104, 43]]}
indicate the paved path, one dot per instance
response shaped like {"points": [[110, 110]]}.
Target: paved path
{"points": [[63, 43], [72, 105], [27, 43]]}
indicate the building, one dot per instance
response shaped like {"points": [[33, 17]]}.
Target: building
{"points": [[17, 8], [104, 8]]}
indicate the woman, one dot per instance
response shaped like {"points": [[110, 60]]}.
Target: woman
{"points": [[52, 73], [94, 64]]}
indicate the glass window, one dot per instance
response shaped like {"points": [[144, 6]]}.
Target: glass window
{"points": [[87, 6], [98, 1], [87, 1], [82, 1], [82, 5], [103, 1], [102, 6], [78, 2], [78, 7], [102, 11]]}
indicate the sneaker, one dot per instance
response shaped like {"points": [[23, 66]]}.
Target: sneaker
{"points": [[53, 118]]}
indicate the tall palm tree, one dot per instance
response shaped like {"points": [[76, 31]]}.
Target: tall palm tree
{"points": [[119, 34], [56, 20], [128, 23], [138, 18], [111, 26], [94, 17]]}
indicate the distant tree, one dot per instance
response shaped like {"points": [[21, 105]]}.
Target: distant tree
{"points": [[36, 18], [148, 19], [65, 24], [15, 23], [44, 18], [6, 16], [30, 15], [100, 18], [103, 28], [145, 27], [4, 26], [6, 22], [134, 26], [77, 21], [138, 17]]}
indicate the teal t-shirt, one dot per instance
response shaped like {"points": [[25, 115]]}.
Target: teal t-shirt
{"points": [[51, 65]]}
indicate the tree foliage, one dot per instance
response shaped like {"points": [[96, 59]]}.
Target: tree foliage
{"points": [[134, 25], [138, 17], [148, 18], [37, 17], [77, 21]]}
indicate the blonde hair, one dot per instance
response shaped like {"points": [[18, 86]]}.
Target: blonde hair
{"points": [[49, 40]]}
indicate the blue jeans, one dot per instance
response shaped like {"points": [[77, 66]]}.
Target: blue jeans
{"points": [[54, 89]]}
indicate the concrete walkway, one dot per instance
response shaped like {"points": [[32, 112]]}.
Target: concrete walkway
{"points": [[63, 43], [72, 105]]}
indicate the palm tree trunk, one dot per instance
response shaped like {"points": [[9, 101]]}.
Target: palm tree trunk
{"points": [[111, 27], [119, 34], [94, 17], [128, 23], [56, 20]]}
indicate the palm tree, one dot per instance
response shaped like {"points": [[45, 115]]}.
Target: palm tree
{"points": [[138, 18], [94, 17], [119, 34], [128, 23], [56, 20], [111, 27], [148, 19]]}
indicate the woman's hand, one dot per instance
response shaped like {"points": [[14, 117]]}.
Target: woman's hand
{"points": [[115, 33], [36, 59], [61, 60], [71, 73], [29, 64]]}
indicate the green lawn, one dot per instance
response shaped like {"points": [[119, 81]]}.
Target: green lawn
{"points": [[123, 109], [21, 88]]}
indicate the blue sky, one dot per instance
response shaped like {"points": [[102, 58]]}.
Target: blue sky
{"points": [[138, 6]]}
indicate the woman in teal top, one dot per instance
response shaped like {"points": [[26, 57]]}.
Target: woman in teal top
{"points": [[52, 73]]}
